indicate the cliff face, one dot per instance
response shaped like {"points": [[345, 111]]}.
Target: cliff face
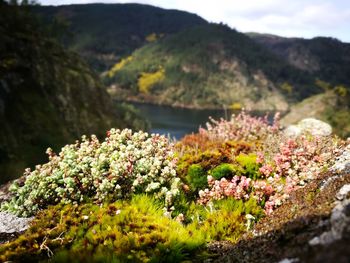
{"points": [[48, 96]]}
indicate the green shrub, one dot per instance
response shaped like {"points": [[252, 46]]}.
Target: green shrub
{"points": [[249, 165], [196, 177], [226, 170], [126, 163]]}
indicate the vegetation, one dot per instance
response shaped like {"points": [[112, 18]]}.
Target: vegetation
{"points": [[196, 177], [49, 96], [125, 163], [148, 80], [127, 231], [137, 198], [118, 66]]}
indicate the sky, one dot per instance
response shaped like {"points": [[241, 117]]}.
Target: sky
{"points": [[290, 18]]}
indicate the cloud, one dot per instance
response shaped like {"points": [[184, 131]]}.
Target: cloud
{"points": [[301, 18]]}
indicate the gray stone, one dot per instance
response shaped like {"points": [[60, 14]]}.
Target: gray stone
{"points": [[342, 163], [339, 221], [10, 223], [343, 192], [293, 131], [289, 260], [309, 126]]}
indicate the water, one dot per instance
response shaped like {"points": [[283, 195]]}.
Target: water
{"points": [[177, 122]]}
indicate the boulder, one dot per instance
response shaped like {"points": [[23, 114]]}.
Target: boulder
{"points": [[309, 126], [12, 226]]}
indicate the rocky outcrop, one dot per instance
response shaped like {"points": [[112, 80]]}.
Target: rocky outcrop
{"points": [[339, 221], [11, 226], [312, 226]]}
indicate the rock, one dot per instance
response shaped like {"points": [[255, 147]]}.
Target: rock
{"points": [[340, 167], [342, 163], [10, 223], [339, 221], [292, 131], [289, 260], [343, 192], [309, 126], [12, 226]]}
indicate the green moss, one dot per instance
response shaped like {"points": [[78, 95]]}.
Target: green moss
{"points": [[226, 218], [226, 170], [134, 231], [129, 231], [196, 177], [207, 160], [249, 164]]}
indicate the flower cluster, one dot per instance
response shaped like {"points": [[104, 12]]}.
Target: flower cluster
{"points": [[284, 164], [242, 127], [240, 188], [297, 162], [302, 159], [125, 163]]}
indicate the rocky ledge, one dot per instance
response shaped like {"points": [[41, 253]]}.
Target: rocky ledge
{"points": [[312, 226]]}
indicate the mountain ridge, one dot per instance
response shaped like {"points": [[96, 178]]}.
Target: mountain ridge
{"points": [[124, 28], [326, 57]]}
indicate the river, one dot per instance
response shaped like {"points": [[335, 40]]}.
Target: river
{"points": [[177, 122]]}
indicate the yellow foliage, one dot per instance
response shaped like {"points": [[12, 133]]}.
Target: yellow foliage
{"points": [[287, 87], [236, 106], [118, 66], [147, 80], [151, 37], [341, 91], [154, 37], [322, 84]]}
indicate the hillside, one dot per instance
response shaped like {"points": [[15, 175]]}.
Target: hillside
{"points": [[48, 96], [104, 33], [327, 58], [267, 74], [209, 66]]}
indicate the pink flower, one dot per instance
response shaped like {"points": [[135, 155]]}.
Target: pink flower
{"points": [[266, 170], [269, 206], [260, 157]]}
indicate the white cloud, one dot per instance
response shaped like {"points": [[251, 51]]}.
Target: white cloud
{"points": [[302, 18]]}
